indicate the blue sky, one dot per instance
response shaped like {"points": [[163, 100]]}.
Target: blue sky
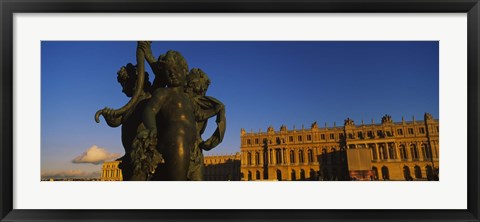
{"points": [[261, 83]]}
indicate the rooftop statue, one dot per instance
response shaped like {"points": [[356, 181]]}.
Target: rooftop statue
{"points": [[387, 119], [162, 124]]}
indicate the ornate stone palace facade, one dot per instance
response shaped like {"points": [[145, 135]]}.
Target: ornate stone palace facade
{"points": [[406, 150], [111, 172], [217, 167], [222, 167]]}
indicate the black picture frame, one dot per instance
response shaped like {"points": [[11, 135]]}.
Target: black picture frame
{"points": [[9, 7]]}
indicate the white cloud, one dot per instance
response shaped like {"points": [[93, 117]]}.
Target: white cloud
{"points": [[95, 155], [70, 174]]}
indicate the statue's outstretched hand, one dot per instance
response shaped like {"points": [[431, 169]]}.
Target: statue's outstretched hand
{"points": [[113, 120]]}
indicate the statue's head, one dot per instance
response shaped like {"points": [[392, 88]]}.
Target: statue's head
{"points": [[174, 68], [197, 82], [127, 77]]}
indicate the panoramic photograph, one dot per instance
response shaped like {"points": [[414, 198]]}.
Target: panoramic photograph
{"points": [[240, 111]]}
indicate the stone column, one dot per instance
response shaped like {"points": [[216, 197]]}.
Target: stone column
{"points": [[395, 148], [376, 151], [387, 147], [243, 161], [424, 151], [260, 158], [272, 156], [408, 150], [419, 151], [288, 156]]}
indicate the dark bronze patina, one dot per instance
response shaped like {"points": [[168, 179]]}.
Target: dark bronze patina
{"points": [[162, 123]]}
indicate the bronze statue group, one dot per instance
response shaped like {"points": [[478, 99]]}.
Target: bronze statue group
{"points": [[163, 123]]}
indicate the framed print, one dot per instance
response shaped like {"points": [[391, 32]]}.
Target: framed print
{"points": [[381, 75]]}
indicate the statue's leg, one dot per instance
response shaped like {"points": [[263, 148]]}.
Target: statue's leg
{"points": [[196, 170], [177, 158]]}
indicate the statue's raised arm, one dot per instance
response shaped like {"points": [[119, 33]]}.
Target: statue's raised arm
{"points": [[138, 89]]}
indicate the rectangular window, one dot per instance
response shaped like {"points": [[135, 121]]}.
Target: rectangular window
{"points": [[323, 136], [299, 138], [410, 130], [309, 137], [421, 130], [350, 136], [400, 132], [379, 133], [438, 130], [370, 134], [360, 135], [332, 136], [290, 138], [256, 141], [248, 141]]}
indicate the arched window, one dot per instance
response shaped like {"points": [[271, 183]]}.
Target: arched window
{"points": [[374, 152], [406, 173], [300, 156], [302, 174], [249, 159], [426, 152], [375, 173], [418, 172], [385, 173], [279, 175], [293, 175], [414, 151], [249, 175], [278, 156], [403, 152], [257, 175], [310, 156], [257, 158], [391, 151], [383, 152], [292, 156]]}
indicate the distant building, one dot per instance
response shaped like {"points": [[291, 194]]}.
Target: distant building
{"points": [[222, 167], [217, 167], [111, 172], [406, 150]]}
